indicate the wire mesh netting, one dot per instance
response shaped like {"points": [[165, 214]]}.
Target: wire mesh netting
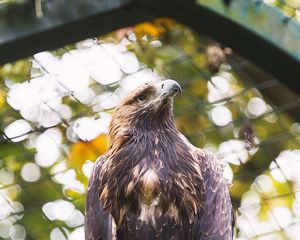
{"points": [[55, 108]]}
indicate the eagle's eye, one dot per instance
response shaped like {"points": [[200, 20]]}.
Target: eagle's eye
{"points": [[141, 98]]}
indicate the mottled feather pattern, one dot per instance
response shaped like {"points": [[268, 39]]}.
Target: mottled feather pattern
{"points": [[216, 220], [98, 223], [152, 182], [172, 185]]}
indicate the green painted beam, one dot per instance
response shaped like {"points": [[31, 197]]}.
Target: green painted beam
{"points": [[256, 31], [267, 21]]}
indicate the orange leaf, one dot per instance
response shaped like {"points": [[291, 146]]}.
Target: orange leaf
{"points": [[91, 150]]}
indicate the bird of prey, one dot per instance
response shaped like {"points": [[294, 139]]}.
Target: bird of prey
{"points": [[152, 183]]}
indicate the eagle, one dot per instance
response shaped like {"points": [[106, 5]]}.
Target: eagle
{"points": [[152, 183]]}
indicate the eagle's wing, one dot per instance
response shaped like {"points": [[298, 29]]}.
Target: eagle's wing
{"points": [[98, 224], [215, 220]]}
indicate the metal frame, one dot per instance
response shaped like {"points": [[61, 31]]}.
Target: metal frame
{"points": [[65, 23]]}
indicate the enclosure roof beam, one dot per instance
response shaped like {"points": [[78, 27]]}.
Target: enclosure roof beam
{"points": [[23, 33]]}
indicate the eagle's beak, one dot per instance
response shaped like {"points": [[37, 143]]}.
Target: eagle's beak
{"points": [[170, 88]]}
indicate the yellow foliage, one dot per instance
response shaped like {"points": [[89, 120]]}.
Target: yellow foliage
{"points": [[198, 88], [148, 29], [13, 191], [165, 22], [71, 193], [153, 29], [91, 150], [238, 188], [2, 98]]}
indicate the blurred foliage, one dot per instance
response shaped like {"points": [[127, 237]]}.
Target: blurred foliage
{"points": [[212, 111]]}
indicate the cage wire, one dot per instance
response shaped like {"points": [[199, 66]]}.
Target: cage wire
{"points": [[217, 109]]}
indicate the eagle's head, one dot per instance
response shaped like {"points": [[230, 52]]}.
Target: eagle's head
{"points": [[146, 108]]}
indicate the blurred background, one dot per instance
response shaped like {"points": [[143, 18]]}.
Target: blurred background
{"points": [[55, 108]]}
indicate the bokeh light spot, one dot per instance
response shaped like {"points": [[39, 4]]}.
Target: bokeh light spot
{"points": [[221, 116], [16, 131], [256, 106], [30, 172]]}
